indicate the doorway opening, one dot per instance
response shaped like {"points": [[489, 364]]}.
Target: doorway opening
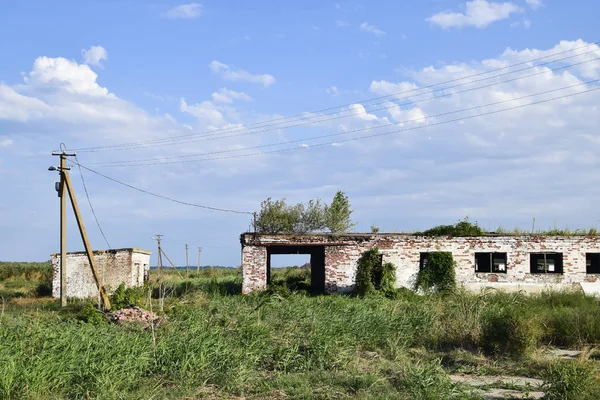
{"points": [[307, 269]]}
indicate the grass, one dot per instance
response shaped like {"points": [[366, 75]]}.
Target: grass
{"points": [[286, 343]]}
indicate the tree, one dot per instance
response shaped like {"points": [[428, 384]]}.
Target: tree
{"points": [[311, 217], [276, 217], [314, 216], [338, 214]]}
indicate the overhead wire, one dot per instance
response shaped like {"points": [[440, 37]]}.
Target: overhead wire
{"points": [[90, 203], [76, 161], [159, 195], [186, 138], [161, 160], [392, 105]]}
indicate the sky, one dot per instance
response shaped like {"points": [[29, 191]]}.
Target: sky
{"points": [[422, 113]]}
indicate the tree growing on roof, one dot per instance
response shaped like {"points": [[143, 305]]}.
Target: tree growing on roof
{"points": [[314, 216], [338, 214]]}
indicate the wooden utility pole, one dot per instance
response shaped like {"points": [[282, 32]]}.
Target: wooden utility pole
{"points": [[199, 251], [63, 231], [65, 183], [187, 264], [159, 253]]}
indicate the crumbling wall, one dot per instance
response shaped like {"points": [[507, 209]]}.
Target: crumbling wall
{"points": [[128, 266], [343, 251], [254, 268]]}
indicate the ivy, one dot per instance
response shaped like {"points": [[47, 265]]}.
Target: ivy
{"points": [[437, 273], [373, 276]]}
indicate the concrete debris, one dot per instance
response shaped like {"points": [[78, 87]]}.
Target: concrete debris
{"points": [[484, 380], [504, 394], [523, 387], [135, 314]]}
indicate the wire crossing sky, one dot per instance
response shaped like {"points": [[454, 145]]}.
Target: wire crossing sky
{"points": [[421, 112]]}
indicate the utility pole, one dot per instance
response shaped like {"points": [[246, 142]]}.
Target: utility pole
{"points": [[63, 225], [159, 260], [65, 183], [187, 264], [199, 251]]}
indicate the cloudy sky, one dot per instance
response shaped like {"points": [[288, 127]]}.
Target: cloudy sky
{"points": [[421, 112]]}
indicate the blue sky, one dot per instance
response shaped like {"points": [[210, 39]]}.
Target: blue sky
{"points": [[100, 73]]}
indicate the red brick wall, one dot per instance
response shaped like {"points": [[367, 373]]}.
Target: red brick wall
{"points": [[343, 251]]}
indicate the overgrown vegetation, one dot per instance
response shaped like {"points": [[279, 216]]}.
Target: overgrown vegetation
{"points": [[437, 273], [314, 216], [460, 229], [217, 343], [25, 279], [372, 275]]}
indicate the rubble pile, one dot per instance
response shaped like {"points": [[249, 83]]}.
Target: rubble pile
{"points": [[135, 314]]}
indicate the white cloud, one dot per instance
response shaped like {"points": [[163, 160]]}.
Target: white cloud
{"points": [[371, 29], [225, 95], [478, 13], [341, 24], [94, 55], [205, 112], [55, 72], [5, 142], [438, 172], [332, 90], [185, 11], [386, 88], [534, 4], [359, 111], [233, 74]]}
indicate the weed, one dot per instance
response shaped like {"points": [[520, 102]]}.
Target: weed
{"points": [[572, 379]]}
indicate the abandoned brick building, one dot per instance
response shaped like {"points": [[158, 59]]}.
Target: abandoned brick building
{"points": [[115, 266], [509, 262]]}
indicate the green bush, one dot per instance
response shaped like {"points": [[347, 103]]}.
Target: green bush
{"points": [[437, 273], [460, 229], [374, 276], [571, 380], [91, 315], [510, 330], [126, 297]]}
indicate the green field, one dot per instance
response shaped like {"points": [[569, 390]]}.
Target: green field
{"points": [[285, 343]]}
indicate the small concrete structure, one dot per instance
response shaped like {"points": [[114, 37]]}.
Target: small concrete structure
{"points": [[505, 262], [115, 266]]}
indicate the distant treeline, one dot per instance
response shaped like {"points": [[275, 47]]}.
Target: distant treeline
{"points": [[26, 270]]}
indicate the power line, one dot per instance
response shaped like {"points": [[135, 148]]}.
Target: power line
{"points": [[214, 135], [161, 196], [156, 161], [90, 203], [378, 134], [185, 138]]}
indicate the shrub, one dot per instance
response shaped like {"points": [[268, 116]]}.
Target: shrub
{"points": [[571, 379], [91, 315], [437, 273], [125, 297], [374, 276], [510, 330], [461, 228]]}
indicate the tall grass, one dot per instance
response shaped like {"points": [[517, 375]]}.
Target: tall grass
{"points": [[279, 343]]}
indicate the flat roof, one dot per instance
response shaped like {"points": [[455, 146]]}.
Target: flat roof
{"points": [[128, 249]]}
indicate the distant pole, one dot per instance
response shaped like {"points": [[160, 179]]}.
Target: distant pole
{"points": [[187, 264], [199, 251], [159, 253]]}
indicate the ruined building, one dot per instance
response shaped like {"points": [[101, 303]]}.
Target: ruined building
{"points": [[509, 262], [115, 266]]}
